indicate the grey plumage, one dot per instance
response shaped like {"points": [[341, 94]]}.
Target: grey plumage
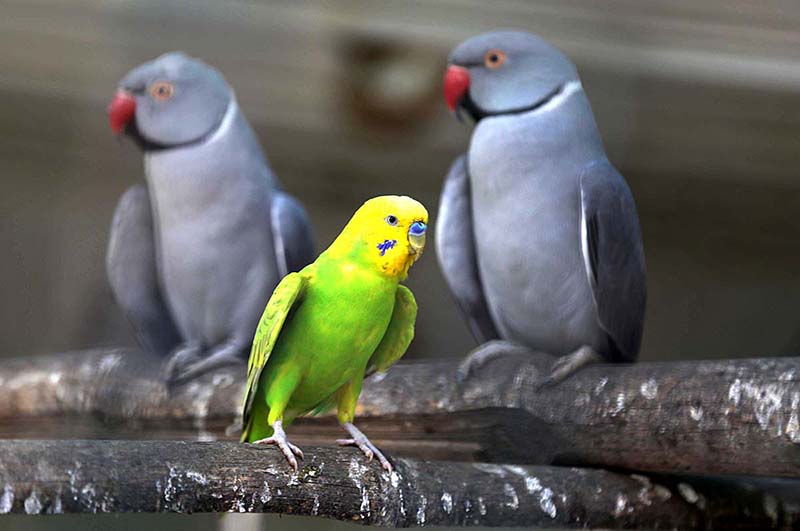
{"points": [[455, 246], [222, 232], [616, 267], [131, 268], [294, 244], [555, 247]]}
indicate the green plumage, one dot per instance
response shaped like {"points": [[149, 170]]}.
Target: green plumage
{"points": [[324, 328]]}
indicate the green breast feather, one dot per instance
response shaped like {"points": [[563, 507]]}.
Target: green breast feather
{"points": [[323, 328]]}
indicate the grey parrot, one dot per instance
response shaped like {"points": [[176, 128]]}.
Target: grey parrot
{"points": [[537, 232], [196, 250]]}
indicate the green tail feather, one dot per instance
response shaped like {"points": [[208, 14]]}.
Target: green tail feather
{"points": [[257, 427]]}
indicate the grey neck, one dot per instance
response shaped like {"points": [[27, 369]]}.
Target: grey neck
{"points": [[564, 124]]}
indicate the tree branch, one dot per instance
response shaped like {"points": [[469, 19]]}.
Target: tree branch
{"points": [[179, 476], [707, 417]]}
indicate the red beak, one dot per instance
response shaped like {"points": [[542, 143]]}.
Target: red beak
{"points": [[456, 84], [121, 111]]}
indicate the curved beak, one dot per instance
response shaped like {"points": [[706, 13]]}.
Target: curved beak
{"points": [[121, 111], [416, 236], [456, 84]]}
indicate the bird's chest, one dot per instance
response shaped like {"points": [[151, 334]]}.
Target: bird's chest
{"points": [[340, 330], [210, 229], [525, 201], [526, 211], [204, 215], [192, 209]]}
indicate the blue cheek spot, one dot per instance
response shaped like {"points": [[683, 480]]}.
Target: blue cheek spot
{"points": [[386, 245]]}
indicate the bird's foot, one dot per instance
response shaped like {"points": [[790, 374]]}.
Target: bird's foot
{"points": [[184, 355], [359, 439], [193, 364], [279, 439], [566, 366], [481, 355]]}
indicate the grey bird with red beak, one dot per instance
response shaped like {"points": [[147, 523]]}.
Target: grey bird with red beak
{"points": [[537, 233], [196, 250]]}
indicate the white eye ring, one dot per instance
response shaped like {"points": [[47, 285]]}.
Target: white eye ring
{"points": [[391, 220]]}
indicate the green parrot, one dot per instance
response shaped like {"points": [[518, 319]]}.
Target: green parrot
{"points": [[336, 321]]}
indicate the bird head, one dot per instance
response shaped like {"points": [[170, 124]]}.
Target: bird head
{"points": [[388, 231], [171, 101], [504, 72]]}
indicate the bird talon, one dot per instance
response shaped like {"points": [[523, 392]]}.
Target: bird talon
{"points": [[178, 361], [279, 439], [478, 358], [545, 384], [383, 461], [369, 450], [566, 366], [297, 451]]}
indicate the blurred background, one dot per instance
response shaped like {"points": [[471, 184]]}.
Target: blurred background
{"points": [[698, 102]]}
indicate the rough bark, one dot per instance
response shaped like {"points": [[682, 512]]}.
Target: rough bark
{"points": [[179, 476], [705, 417]]}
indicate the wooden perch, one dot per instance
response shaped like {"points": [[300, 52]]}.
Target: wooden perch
{"points": [[708, 417], [179, 476]]}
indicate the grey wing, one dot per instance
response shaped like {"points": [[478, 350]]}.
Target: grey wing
{"points": [[131, 270], [291, 230], [614, 257], [455, 248]]}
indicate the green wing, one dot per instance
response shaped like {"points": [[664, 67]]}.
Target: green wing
{"points": [[398, 334], [286, 294]]}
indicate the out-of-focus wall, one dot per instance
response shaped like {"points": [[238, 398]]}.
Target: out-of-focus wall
{"points": [[699, 103]]}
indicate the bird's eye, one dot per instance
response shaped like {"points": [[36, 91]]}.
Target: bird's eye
{"points": [[162, 90], [391, 220], [494, 58]]}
